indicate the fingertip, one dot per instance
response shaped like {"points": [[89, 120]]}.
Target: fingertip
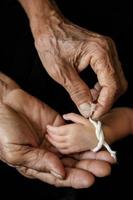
{"points": [[87, 109], [99, 111], [49, 132], [103, 170], [68, 116], [51, 129], [81, 179], [105, 156], [48, 126], [65, 116]]}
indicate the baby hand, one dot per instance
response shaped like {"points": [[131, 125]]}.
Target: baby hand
{"points": [[73, 138]]}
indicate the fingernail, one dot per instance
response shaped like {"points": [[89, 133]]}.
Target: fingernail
{"points": [[85, 109], [64, 116], [56, 174], [49, 127]]}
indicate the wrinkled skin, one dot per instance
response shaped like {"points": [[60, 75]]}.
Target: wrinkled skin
{"points": [[66, 49], [23, 121]]}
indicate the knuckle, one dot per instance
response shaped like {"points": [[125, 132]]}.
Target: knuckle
{"points": [[99, 50], [94, 45], [116, 88], [11, 158], [107, 42], [104, 41], [101, 41], [103, 57]]}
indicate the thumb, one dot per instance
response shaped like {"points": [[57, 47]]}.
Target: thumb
{"points": [[43, 161], [79, 93]]}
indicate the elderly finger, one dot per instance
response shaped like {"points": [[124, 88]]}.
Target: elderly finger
{"points": [[41, 160], [97, 167], [75, 178], [101, 155]]}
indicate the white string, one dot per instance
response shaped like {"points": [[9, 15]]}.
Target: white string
{"points": [[100, 137]]}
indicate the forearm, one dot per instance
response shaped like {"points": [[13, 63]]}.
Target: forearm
{"points": [[40, 13], [117, 124]]}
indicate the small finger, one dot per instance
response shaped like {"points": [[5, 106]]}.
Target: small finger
{"points": [[75, 118], [57, 138], [75, 178], [58, 145], [56, 130]]}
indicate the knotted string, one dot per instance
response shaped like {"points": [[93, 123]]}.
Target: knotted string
{"points": [[100, 135]]}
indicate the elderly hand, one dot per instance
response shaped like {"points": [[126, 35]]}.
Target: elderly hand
{"points": [[23, 121], [66, 49]]}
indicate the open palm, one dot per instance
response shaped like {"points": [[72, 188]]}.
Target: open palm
{"points": [[23, 121]]}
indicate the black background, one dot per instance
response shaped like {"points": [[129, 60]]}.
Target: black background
{"points": [[19, 60]]}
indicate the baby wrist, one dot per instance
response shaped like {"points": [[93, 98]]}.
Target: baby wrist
{"points": [[101, 140]]}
